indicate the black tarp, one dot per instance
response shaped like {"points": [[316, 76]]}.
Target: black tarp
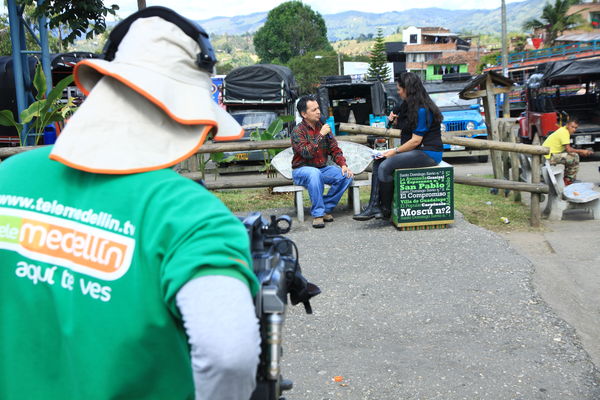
{"points": [[572, 71], [372, 91], [391, 92], [445, 86], [62, 64], [260, 83]]}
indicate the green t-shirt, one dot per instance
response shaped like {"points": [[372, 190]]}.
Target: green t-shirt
{"points": [[557, 141], [90, 266]]}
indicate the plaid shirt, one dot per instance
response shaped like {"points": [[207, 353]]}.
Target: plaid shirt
{"points": [[311, 149]]}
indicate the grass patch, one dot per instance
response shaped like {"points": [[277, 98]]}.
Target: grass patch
{"points": [[246, 200], [477, 204], [480, 207]]}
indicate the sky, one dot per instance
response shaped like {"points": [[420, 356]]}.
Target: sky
{"points": [[205, 9], [200, 10]]}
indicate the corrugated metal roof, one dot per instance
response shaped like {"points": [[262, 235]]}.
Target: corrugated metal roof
{"points": [[579, 37], [438, 34]]}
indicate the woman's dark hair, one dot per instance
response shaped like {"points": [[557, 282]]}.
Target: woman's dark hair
{"points": [[417, 97], [301, 105]]}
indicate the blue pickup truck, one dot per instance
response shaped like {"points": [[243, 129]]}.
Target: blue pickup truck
{"points": [[459, 114]]}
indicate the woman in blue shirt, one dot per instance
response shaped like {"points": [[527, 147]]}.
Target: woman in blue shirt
{"points": [[420, 144]]}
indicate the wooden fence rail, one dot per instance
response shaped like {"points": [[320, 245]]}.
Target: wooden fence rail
{"points": [[6, 152], [359, 133]]}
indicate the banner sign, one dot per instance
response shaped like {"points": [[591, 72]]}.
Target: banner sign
{"points": [[423, 196]]}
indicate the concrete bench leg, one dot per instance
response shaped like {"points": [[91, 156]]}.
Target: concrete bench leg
{"points": [[555, 207], [595, 206], [299, 203]]}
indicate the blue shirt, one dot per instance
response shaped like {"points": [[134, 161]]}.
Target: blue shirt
{"points": [[421, 129]]}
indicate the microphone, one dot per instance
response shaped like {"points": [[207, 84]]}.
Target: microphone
{"points": [[323, 121]]}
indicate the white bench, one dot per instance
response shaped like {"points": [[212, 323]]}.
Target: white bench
{"points": [[358, 157], [579, 195]]}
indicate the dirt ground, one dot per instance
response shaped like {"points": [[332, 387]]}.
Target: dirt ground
{"points": [[566, 256]]}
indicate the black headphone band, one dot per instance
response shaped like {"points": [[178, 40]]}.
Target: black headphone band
{"points": [[205, 60]]}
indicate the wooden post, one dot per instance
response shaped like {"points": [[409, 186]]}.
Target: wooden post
{"points": [[502, 129], [535, 197], [490, 120], [510, 161], [515, 163]]}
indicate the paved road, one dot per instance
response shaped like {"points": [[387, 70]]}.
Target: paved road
{"points": [[461, 313], [442, 314]]}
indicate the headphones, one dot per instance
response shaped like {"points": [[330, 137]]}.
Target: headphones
{"points": [[205, 60]]}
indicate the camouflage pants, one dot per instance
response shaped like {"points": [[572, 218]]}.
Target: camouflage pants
{"points": [[569, 160]]}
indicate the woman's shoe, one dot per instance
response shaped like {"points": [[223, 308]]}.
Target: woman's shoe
{"points": [[371, 211]]}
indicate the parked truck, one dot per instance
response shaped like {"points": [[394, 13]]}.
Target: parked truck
{"points": [[363, 103], [256, 96], [561, 90], [62, 65]]}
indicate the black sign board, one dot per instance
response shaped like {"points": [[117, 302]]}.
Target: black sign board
{"points": [[423, 196]]}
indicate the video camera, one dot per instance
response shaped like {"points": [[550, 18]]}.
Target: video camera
{"points": [[275, 259]]}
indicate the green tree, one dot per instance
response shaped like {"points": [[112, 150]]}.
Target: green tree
{"points": [[378, 68], [224, 69], [519, 41], [308, 69], [80, 17], [5, 43], [554, 19], [5, 48], [488, 59], [292, 29]]}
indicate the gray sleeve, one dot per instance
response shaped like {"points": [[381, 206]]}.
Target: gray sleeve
{"points": [[220, 321]]}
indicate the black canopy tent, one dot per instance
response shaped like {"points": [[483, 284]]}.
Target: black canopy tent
{"points": [[62, 65], [442, 86], [393, 98], [260, 84], [369, 96], [570, 71]]}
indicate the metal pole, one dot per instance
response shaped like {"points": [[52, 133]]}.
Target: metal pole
{"points": [[43, 27], [506, 104], [339, 57], [15, 39]]}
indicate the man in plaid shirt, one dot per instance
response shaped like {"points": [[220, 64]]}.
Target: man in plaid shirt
{"points": [[313, 143]]}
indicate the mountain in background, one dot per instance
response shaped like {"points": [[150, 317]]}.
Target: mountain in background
{"points": [[351, 24]]}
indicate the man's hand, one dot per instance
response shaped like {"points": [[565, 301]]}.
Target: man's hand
{"points": [[347, 172], [325, 130], [392, 117], [587, 153]]}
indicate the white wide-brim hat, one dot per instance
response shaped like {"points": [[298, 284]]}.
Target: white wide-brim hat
{"points": [[149, 108]]}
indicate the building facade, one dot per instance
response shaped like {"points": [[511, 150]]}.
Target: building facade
{"points": [[426, 46]]}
